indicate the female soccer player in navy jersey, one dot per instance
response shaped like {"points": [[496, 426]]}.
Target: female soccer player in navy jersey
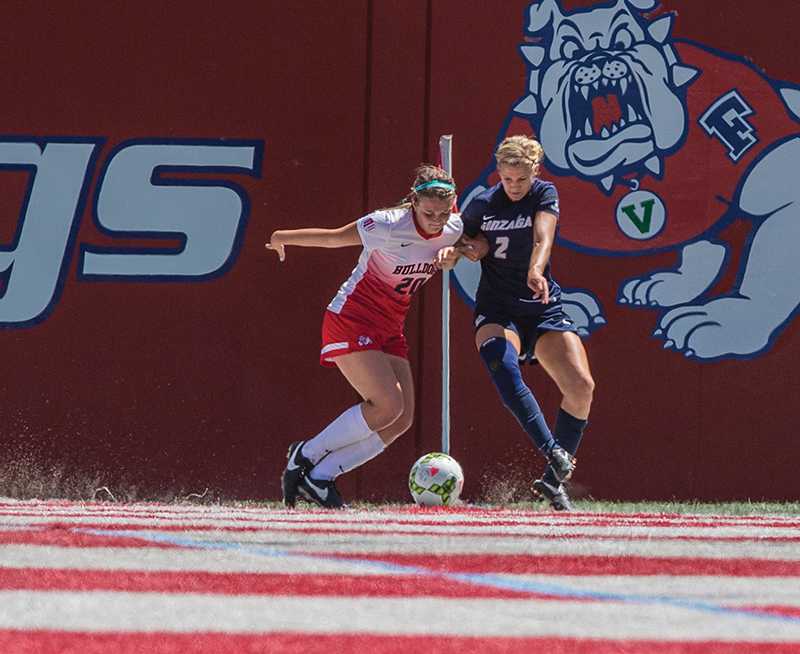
{"points": [[362, 331], [518, 311]]}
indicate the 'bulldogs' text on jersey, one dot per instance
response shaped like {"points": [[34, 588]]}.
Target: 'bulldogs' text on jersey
{"points": [[396, 261]]}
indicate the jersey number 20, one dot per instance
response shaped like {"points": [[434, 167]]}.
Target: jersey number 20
{"points": [[409, 285]]}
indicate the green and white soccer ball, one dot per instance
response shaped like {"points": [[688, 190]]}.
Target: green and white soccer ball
{"points": [[436, 479]]}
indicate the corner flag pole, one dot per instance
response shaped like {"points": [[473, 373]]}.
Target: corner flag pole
{"points": [[446, 154]]}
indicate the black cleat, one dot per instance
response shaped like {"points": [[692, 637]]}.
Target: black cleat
{"points": [[322, 492], [297, 466], [561, 462], [556, 495]]}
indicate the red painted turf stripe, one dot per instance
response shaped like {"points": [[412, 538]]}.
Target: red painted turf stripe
{"points": [[300, 528], [499, 517], [70, 538], [248, 584], [588, 565], [789, 611], [55, 642]]}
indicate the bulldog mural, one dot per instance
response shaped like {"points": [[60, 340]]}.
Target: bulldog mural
{"points": [[658, 144]]}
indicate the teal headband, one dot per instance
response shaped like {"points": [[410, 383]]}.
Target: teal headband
{"points": [[436, 183]]}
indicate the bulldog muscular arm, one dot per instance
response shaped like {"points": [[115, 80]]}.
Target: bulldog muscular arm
{"points": [[544, 232]]}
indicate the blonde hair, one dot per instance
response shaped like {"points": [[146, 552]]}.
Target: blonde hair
{"points": [[520, 151]]}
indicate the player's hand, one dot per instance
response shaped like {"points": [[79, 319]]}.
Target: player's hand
{"points": [[446, 258], [276, 243], [537, 282], [473, 249]]}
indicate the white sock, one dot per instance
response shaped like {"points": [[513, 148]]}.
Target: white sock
{"points": [[350, 427], [346, 458]]}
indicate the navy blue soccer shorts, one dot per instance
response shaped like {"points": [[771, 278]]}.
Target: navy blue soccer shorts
{"points": [[528, 327]]}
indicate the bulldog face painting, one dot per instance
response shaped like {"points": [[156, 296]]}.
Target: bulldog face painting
{"points": [[608, 96], [656, 144]]}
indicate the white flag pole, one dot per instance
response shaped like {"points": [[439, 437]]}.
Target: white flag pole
{"points": [[446, 153]]}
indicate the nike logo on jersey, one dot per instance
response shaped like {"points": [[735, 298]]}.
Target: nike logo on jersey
{"points": [[489, 217], [405, 245], [321, 492]]}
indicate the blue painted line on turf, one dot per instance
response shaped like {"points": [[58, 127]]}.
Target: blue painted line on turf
{"points": [[477, 579]]}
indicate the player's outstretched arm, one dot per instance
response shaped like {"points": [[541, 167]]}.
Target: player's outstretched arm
{"points": [[313, 237]]}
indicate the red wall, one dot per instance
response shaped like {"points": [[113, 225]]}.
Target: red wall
{"points": [[166, 386]]}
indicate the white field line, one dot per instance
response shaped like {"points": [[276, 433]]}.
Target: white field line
{"points": [[407, 527], [730, 591], [183, 512], [279, 544], [173, 560], [103, 611], [497, 544]]}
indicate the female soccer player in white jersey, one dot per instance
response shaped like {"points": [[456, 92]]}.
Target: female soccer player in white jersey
{"points": [[518, 309], [362, 331]]}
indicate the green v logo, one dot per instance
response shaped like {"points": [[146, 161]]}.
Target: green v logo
{"points": [[643, 223]]}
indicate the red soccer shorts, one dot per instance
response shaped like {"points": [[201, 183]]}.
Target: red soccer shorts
{"points": [[343, 335]]}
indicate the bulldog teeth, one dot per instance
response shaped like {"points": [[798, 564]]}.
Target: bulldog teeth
{"points": [[653, 164], [596, 85], [585, 92], [604, 132], [588, 128], [632, 116], [623, 85]]}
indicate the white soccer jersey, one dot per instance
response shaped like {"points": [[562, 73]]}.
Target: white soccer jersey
{"points": [[396, 261]]}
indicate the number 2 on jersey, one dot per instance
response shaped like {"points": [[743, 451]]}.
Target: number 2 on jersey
{"points": [[502, 246]]}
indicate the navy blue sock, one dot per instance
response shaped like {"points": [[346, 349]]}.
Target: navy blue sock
{"points": [[568, 432], [503, 366]]}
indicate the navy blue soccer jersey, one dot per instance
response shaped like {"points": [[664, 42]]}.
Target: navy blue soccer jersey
{"points": [[508, 226]]}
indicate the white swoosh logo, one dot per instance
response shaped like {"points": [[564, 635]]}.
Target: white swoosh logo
{"points": [[291, 465], [322, 492], [489, 217]]}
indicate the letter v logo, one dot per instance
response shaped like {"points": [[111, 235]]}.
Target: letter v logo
{"points": [[643, 223], [641, 215]]}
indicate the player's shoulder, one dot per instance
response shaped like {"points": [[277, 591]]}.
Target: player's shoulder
{"points": [[455, 221], [390, 216], [541, 187], [491, 194], [480, 203], [383, 221]]}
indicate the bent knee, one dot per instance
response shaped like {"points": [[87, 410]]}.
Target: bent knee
{"points": [[387, 410], [581, 389], [403, 423]]}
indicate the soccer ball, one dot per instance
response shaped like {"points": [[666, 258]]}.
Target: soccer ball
{"points": [[435, 479]]}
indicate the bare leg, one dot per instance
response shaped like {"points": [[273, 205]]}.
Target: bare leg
{"points": [[373, 376], [563, 357]]}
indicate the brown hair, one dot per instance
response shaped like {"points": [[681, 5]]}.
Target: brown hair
{"points": [[520, 151], [425, 174]]}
